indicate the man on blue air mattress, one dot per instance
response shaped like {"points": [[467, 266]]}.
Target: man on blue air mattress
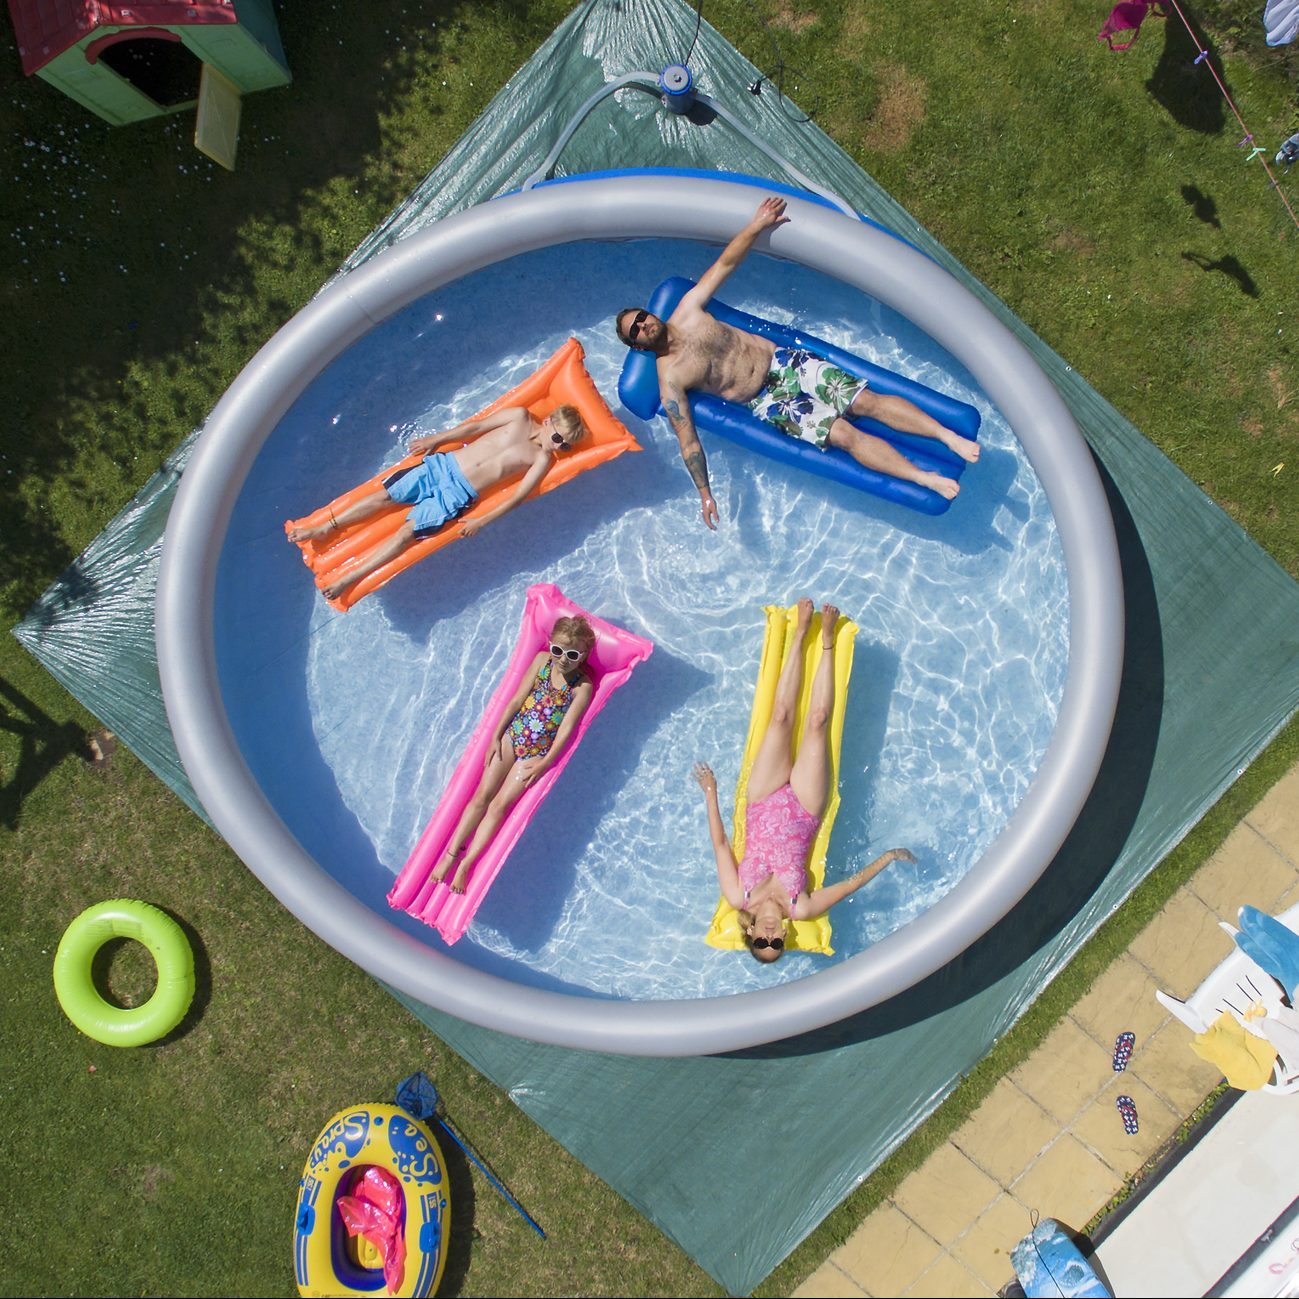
{"points": [[802, 394]]}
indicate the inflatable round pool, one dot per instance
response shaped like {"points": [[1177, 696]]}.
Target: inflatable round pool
{"points": [[602, 210]]}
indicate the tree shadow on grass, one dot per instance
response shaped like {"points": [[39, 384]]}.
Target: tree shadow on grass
{"points": [[42, 744], [135, 256]]}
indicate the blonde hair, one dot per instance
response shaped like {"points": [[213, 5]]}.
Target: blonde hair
{"points": [[578, 630], [568, 420]]}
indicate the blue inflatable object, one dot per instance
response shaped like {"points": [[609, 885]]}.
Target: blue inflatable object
{"points": [[1048, 1263], [1271, 946], [638, 386]]}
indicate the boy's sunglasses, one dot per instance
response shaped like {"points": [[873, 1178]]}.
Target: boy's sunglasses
{"points": [[637, 322], [571, 655], [776, 944]]}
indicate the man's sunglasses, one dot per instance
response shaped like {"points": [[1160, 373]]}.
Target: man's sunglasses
{"points": [[571, 655], [637, 323], [776, 944]]}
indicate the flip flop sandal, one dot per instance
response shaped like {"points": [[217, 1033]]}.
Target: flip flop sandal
{"points": [[1123, 1051], [1128, 1109]]}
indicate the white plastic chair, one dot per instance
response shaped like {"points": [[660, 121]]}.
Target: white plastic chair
{"points": [[1236, 985]]}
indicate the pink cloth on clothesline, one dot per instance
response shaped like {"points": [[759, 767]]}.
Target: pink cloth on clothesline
{"points": [[1128, 17]]}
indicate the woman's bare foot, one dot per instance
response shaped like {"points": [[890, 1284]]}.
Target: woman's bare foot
{"points": [[444, 865], [805, 607], [945, 487], [829, 620], [966, 448], [462, 874]]}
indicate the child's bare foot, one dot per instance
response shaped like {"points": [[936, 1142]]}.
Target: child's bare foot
{"points": [[945, 487], [829, 619], [444, 865], [299, 534], [333, 590], [966, 448]]}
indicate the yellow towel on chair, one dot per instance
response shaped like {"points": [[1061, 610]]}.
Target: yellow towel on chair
{"points": [[805, 935], [1245, 1060]]}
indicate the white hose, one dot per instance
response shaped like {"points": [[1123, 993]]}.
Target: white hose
{"points": [[649, 83]]}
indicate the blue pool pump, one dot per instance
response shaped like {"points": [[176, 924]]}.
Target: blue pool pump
{"points": [[678, 88]]}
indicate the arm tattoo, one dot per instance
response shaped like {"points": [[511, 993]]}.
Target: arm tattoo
{"points": [[698, 468], [678, 413]]}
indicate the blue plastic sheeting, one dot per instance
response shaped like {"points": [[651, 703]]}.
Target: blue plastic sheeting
{"points": [[693, 1143]]}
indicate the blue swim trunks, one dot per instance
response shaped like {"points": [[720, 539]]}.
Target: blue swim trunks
{"points": [[804, 395], [435, 489]]}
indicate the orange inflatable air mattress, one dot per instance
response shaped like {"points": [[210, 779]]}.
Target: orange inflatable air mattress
{"points": [[561, 381]]}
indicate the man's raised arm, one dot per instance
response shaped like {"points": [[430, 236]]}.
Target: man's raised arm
{"points": [[770, 213], [676, 405]]}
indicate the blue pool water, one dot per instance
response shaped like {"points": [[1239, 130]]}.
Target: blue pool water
{"points": [[353, 722]]}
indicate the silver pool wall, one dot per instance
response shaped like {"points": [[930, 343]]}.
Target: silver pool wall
{"points": [[637, 206]]}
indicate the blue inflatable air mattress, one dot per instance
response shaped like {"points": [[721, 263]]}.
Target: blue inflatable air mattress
{"points": [[638, 386]]}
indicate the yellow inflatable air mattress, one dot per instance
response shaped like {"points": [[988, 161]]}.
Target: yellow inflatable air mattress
{"points": [[804, 935]]}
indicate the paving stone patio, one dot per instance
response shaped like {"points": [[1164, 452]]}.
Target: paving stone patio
{"points": [[1049, 1140]]}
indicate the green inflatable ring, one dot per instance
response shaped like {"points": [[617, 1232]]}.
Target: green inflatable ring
{"points": [[80, 999]]}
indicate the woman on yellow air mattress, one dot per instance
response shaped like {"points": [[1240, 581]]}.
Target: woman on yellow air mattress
{"points": [[787, 796]]}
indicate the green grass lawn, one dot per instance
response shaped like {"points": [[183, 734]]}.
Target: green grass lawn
{"points": [[1101, 195]]}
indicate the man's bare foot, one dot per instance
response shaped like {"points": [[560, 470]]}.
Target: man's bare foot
{"points": [[444, 865], [829, 618], [966, 448], [945, 487], [299, 534]]}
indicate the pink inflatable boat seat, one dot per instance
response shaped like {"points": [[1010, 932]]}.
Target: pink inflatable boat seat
{"points": [[374, 1211], [615, 656]]}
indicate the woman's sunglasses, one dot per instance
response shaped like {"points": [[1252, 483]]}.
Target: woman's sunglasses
{"points": [[776, 944], [558, 439], [637, 322], [571, 655]]}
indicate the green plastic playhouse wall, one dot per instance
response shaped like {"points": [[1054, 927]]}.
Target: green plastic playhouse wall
{"points": [[248, 52]]}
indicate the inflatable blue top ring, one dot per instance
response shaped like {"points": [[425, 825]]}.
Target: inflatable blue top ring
{"points": [[621, 207]]}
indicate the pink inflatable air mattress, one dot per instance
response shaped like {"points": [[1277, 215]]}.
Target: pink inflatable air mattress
{"points": [[616, 654]]}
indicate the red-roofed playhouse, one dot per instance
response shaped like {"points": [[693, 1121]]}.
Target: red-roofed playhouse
{"points": [[127, 62]]}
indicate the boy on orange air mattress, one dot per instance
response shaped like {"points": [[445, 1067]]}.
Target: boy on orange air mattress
{"points": [[503, 443]]}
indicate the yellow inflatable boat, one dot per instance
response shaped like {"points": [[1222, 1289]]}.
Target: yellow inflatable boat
{"points": [[327, 1259]]}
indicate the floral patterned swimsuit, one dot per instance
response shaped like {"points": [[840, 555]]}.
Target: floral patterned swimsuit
{"points": [[778, 832], [533, 728]]}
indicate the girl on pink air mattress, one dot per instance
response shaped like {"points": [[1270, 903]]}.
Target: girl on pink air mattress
{"points": [[530, 734]]}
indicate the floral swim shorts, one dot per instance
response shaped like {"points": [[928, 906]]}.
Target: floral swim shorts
{"points": [[804, 395]]}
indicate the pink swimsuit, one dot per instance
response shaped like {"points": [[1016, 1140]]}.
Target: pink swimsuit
{"points": [[778, 831]]}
